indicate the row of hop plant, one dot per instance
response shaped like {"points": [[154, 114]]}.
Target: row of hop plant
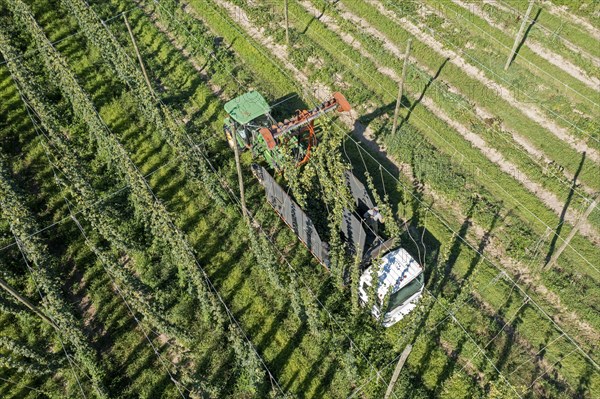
{"points": [[180, 22], [431, 161], [518, 230], [159, 221], [309, 311], [149, 105], [218, 61], [192, 34], [408, 147], [43, 271], [26, 360], [65, 159], [147, 207], [300, 307]]}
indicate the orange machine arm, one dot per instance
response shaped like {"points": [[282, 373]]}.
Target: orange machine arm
{"points": [[337, 102]]}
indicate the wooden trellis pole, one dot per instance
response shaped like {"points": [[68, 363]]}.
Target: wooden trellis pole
{"points": [[401, 87], [287, 25], [236, 152], [519, 34], [26, 302], [397, 370], [137, 52]]}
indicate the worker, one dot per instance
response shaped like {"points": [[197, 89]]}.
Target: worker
{"points": [[373, 218]]}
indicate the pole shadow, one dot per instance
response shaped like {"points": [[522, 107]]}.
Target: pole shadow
{"points": [[316, 17], [455, 251], [422, 95], [564, 211], [533, 21]]}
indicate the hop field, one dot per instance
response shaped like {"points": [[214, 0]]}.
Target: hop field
{"points": [[128, 267]]}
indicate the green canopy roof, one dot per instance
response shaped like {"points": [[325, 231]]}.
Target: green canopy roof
{"points": [[247, 107]]}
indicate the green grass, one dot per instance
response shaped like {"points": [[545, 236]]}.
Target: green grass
{"points": [[222, 32], [544, 84], [305, 363]]}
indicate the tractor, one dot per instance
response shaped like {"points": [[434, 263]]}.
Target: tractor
{"points": [[250, 126]]}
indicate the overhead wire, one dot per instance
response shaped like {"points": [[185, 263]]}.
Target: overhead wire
{"points": [[494, 181], [461, 51], [388, 172], [587, 198], [440, 4], [122, 295], [506, 324], [539, 24], [536, 354], [448, 226], [76, 33], [195, 146], [24, 386], [463, 327], [369, 154], [464, 303], [572, 341], [546, 371], [56, 170], [59, 332], [186, 245], [484, 257], [585, 354], [233, 196]]}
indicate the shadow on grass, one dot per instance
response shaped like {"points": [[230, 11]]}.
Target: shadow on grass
{"points": [[584, 385], [455, 251], [450, 365], [159, 388], [422, 95], [286, 106], [563, 213], [522, 42], [313, 19], [439, 288]]}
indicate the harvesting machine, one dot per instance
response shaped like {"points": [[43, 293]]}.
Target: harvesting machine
{"points": [[250, 126]]}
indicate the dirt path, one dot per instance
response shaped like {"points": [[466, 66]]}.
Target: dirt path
{"points": [[529, 110], [320, 91], [481, 112], [563, 11], [495, 249], [547, 54], [571, 46], [547, 197], [76, 289]]}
